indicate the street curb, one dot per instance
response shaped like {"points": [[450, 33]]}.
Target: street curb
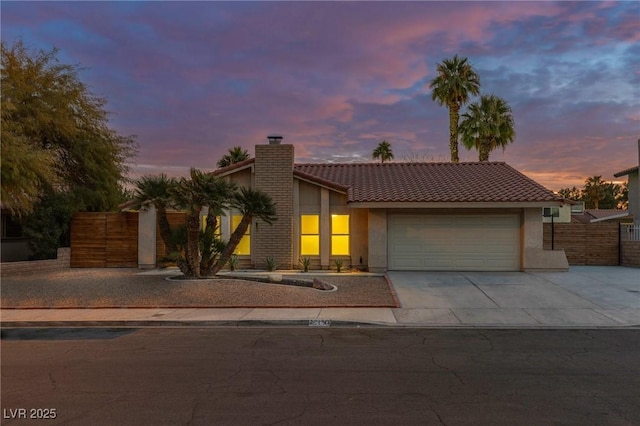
{"points": [[290, 323]]}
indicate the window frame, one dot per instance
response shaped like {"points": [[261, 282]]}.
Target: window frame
{"points": [[341, 235], [315, 234]]}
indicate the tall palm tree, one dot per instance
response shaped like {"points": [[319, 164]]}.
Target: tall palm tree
{"points": [[456, 80], [594, 191], [156, 191], [252, 204], [487, 125], [193, 194], [383, 151], [234, 155]]}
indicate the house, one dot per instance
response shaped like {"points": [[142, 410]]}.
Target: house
{"points": [[601, 215], [562, 213], [634, 189], [392, 216]]}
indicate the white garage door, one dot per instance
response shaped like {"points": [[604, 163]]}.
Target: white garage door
{"points": [[454, 243]]}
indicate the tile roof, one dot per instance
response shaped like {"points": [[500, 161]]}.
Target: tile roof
{"points": [[430, 182], [232, 167], [626, 171]]}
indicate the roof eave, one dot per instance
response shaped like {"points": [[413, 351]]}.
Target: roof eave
{"points": [[626, 172], [234, 168], [452, 204]]}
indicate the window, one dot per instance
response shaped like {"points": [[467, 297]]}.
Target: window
{"points": [[244, 246], [551, 211], [309, 235], [340, 234]]}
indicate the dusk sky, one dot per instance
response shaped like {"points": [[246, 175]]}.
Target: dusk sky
{"points": [[192, 79]]}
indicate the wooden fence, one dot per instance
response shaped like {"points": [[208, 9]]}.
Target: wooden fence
{"points": [[104, 240], [586, 244]]}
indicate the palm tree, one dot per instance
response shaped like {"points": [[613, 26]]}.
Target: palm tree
{"points": [[156, 191], [193, 194], [456, 80], [235, 155], [383, 151], [252, 204], [487, 125], [594, 191]]}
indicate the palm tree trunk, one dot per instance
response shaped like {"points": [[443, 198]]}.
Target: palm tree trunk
{"points": [[206, 263], [165, 232], [483, 151], [237, 235], [454, 117], [193, 244]]}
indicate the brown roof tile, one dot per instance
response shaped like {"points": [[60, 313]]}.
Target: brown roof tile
{"points": [[431, 182]]}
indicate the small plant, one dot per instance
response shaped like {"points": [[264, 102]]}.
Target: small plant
{"points": [[271, 264], [338, 263], [305, 262], [233, 263]]}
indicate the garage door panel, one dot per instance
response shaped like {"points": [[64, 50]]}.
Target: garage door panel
{"points": [[466, 242]]}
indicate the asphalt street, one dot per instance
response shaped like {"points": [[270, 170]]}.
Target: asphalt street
{"points": [[319, 376]]}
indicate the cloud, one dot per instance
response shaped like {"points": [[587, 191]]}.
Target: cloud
{"points": [[192, 79]]}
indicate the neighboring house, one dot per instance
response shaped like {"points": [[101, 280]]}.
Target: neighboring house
{"points": [[601, 215], [634, 189], [563, 213], [392, 216]]}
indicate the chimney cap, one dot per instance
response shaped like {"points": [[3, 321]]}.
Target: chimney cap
{"points": [[275, 139]]}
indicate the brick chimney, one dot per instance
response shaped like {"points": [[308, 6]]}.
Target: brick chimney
{"points": [[274, 175]]}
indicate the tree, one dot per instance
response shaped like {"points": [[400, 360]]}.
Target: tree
{"points": [[574, 193], [55, 135], [252, 204], [487, 125], [156, 191], [594, 191], [613, 192], [234, 155], [455, 82], [383, 152], [200, 252], [192, 195], [622, 197]]}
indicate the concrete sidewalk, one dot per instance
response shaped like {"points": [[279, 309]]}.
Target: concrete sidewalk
{"points": [[585, 296]]}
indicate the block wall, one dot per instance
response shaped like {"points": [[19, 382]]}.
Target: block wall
{"points": [[274, 175]]}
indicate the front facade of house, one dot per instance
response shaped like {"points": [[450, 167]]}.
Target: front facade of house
{"points": [[394, 216]]}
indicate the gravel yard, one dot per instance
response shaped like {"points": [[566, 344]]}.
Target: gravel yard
{"points": [[126, 288]]}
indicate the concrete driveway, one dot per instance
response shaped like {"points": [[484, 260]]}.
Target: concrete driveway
{"points": [[584, 296]]}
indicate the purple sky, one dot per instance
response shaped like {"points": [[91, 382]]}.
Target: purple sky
{"points": [[192, 79]]}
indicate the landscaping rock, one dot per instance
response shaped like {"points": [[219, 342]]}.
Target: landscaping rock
{"points": [[318, 284]]}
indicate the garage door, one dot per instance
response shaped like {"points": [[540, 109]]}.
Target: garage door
{"points": [[454, 243]]}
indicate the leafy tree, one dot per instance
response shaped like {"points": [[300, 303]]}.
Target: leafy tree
{"points": [[613, 195], [487, 125], [383, 151], [252, 204], [58, 154], [622, 197], [47, 227], [234, 155], [55, 135], [455, 82], [574, 193], [594, 192], [612, 192]]}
